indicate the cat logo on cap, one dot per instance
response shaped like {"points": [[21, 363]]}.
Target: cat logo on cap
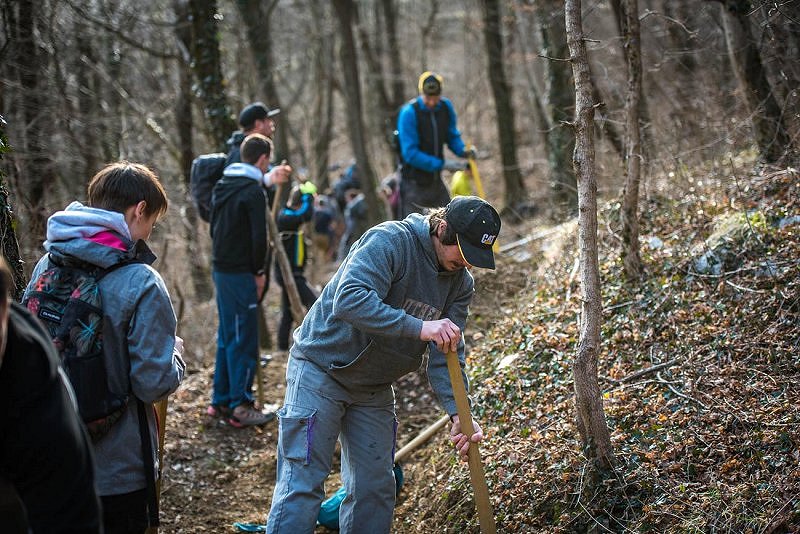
{"points": [[488, 239]]}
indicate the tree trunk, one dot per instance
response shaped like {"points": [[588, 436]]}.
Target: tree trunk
{"points": [[321, 131], [355, 122], [198, 262], [631, 46], [590, 418], [39, 167], [207, 66], [8, 237], [514, 188], [256, 16], [768, 126], [560, 140]]}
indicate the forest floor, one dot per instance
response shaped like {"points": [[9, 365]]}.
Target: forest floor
{"points": [[699, 374]]}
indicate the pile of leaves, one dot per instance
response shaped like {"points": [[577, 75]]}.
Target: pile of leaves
{"points": [[699, 374]]}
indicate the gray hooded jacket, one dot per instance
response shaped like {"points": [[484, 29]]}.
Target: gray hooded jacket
{"points": [[138, 332], [364, 328]]}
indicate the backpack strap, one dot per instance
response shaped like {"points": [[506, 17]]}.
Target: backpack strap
{"points": [[149, 466]]}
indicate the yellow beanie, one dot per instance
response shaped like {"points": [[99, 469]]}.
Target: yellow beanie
{"points": [[430, 83]]}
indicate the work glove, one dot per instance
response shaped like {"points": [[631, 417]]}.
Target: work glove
{"points": [[308, 188], [454, 165], [470, 153]]}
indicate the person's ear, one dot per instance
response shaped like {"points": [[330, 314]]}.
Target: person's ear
{"points": [[141, 209]]}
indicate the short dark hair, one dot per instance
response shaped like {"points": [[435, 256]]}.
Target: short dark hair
{"points": [[254, 146], [7, 286], [436, 217], [118, 186]]}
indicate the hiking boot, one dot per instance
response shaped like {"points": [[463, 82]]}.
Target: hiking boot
{"points": [[218, 410], [246, 415]]}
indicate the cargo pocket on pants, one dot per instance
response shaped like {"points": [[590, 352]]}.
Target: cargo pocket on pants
{"points": [[296, 428]]}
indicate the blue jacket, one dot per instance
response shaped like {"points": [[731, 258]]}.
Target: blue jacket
{"points": [[138, 332], [409, 136], [364, 328]]}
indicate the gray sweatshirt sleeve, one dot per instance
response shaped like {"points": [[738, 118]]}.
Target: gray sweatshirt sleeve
{"points": [[438, 376], [156, 368], [365, 283]]}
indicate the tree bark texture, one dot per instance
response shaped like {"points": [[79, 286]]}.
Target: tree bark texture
{"points": [[355, 120], [512, 176], [30, 64], [322, 129], [768, 125], [8, 236], [256, 16], [198, 262], [590, 418], [559, 105], [631, 46], [207, 66]]}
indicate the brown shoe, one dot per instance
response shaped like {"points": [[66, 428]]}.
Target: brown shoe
{"points": [[245, 415]]}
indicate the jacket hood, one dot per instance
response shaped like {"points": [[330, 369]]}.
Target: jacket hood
{"points": [[235, 177], [93, 235], [235, 139], [421, 226]]}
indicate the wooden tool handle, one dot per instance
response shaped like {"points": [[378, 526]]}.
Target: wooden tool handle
{"points": [[476, 474]]}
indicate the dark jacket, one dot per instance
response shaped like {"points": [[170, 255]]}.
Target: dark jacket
{"points": [[422, 134], [44, 451], [289, 222], [238, 221]]}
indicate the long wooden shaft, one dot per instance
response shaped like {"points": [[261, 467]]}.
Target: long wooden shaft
{"points": [[298, 310], [421, 438], [476, 474]]}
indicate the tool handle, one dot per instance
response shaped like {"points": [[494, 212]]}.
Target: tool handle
{"points": [[423, 436], [476, 474]]}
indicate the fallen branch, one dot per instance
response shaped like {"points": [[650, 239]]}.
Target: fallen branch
{"points": [[639, 373]]}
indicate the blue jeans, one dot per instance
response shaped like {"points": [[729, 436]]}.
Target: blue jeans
{"points": [[317, 411], [237, 339]]}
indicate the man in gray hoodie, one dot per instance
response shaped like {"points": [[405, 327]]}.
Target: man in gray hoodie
{"points": [[403, 288]]}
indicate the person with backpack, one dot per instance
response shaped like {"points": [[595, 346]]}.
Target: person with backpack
{"points": [[403, 289], [239, 264], [424, 125], [299, 209], [136, 360], [47, 479]]}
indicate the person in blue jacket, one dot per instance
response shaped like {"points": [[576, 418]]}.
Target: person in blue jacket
{"points": [[299, 209], [424, 125], [403, 289]]}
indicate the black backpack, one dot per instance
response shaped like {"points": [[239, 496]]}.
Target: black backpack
{"points": [[206, 171], [66, 299]]}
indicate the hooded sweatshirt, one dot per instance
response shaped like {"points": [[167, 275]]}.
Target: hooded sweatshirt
{"points": [[238, 221], [364, 329], [138, 332]]}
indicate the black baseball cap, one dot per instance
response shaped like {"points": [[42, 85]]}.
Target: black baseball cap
{"points": [[430, 83], [476, 224], [255, 111]]}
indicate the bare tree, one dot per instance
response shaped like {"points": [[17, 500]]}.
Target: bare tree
{"points": [[560, 140], [322, 118], [590, 418], [8, 237], [768, 125], [631, 46], [345, 13], [29, 63], [515, 188], [256, 16], [207, 66]]}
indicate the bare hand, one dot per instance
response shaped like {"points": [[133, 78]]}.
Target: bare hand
{"points": [[280, 174], [460, 440], [443, 332]]}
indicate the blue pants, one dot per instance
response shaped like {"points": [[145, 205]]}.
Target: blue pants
{"points": [[317, 411], [237, 339]]}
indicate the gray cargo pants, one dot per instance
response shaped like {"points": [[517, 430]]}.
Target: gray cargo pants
{"points": [[316, 411]]}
